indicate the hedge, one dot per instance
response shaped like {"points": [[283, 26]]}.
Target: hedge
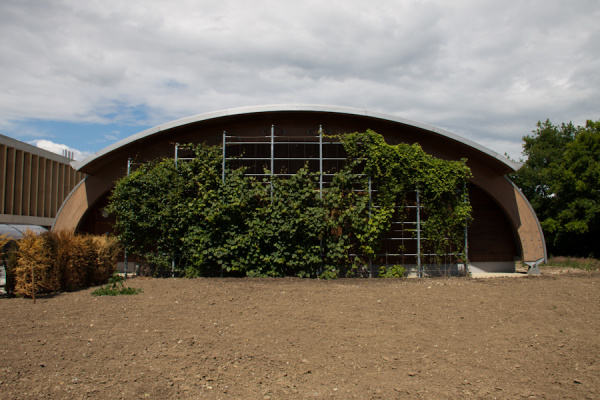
{"points": [[60, 261]]}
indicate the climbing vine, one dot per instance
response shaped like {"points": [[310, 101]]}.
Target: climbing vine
{"points": [[399, 170], [185, 215]]}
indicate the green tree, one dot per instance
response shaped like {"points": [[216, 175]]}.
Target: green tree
{"points": [[561, 179]]}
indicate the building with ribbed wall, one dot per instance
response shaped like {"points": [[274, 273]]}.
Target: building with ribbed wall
{"points": [[33, 183]]}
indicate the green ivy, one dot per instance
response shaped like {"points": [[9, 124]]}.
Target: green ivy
{"points": [[396, 171], [186, 213]]}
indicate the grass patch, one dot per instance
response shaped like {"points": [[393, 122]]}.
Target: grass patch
{"points": [[588, 264], [115, 287]]}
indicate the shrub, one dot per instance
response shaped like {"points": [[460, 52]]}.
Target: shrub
{"points": [[107, 250], [394, 271], [36, 258], [61, 261], [75, 257], [115, 287]]}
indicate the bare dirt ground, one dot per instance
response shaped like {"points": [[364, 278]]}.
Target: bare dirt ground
{"points": [[505, 338]]}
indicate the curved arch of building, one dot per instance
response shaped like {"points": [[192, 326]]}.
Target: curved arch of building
{"points": [[502, 206]]}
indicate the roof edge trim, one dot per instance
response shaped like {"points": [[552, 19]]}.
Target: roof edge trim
{"points": [[79, 165]]}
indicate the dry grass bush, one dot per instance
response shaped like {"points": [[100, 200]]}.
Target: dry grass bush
{"points": [[4, 240], [107, 250], [64, 261], [36, 253], [75, 256]]}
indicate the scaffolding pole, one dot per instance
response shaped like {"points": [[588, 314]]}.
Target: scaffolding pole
{"points": [[419, 267], [125, 251], [370, 200], [466, 197], [321, 160], [224, 154], [272, 149], [272, 157]]}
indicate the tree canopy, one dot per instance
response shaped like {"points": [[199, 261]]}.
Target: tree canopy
{"points": [[561, 179]]}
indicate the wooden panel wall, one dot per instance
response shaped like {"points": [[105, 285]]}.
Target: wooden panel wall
{"points": [[32, 185]]}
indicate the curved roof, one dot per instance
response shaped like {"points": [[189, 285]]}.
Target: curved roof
{"points": [[79, 165], [15, 231]]}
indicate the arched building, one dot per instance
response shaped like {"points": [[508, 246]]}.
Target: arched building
{"points": [[505, 228]]}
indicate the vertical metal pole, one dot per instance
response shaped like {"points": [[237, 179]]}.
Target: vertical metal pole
{"points": [[125, 251], [466, 197], [272, 148], [223, 165], [173, 267], [223, 174], [419, 269], [321, 160], [272, 156], [321, 180], [370, 201], [176, 151]]}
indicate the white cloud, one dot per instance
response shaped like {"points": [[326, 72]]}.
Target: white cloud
{"points": [[485, 69], [59, 149]]}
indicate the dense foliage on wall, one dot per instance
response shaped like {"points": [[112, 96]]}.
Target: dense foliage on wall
{"points": [[561, 179], [184, 215]]}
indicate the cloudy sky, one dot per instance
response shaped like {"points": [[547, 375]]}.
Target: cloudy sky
{"points": [[84, 74]]}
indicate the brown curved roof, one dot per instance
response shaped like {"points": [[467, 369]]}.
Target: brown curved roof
{"points": [[213, 123]]}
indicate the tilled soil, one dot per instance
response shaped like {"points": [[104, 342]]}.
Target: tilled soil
{"points": [[505, 338]]}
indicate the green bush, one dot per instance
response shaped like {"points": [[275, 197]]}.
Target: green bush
{"points": [[395, 271], [115, 287]]}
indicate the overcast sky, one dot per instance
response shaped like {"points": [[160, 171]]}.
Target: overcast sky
{"points": [[84, 74]]}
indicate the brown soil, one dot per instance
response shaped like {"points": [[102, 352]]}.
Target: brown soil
{"points": [[506, 338]]}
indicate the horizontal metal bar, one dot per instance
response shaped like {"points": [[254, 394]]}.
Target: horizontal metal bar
{"points": [[396, 255], [444, 254], [241, 158], [275, 136], [281, 142]]}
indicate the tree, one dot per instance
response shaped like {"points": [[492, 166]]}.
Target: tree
{"points": [[561, 179]]}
